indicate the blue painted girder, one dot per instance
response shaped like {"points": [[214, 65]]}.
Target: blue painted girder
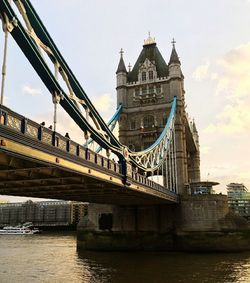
{"points": [[111, 124]]}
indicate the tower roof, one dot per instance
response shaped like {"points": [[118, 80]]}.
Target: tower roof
{"points": [[121, 66], [194, 127], [152, 53], [174, 58]]}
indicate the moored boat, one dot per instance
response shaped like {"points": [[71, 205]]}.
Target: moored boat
{"points": [[24, 229]]}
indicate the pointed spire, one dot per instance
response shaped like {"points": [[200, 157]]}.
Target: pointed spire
{"points": [[194, 127], [121, 66], [174, 58]]}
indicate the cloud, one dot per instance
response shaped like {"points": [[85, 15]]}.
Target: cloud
{"points": [[205, 149], [225, 139], [105, 104], [233, 80], [201, 72], [234, 119], [27, 89], [231, 72], [232, 84]]}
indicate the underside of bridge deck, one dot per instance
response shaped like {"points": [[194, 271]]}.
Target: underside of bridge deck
{"points": [[29, 178]]}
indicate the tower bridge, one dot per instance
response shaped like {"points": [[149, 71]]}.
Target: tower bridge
{"points": [[156, 138]]}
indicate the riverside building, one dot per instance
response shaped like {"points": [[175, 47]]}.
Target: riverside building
{"points": [[239, 199], [64, 214]]}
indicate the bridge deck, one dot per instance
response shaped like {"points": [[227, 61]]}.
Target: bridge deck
{"points": [[36, 162]]}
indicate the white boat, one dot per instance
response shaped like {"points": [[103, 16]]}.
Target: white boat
{"points": [[25, 229]]}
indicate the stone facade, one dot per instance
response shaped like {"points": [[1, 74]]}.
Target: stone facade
{"points": [[146, 93]]}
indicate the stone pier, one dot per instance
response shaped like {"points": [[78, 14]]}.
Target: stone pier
{"points": [[198, 223], [108, 227]]}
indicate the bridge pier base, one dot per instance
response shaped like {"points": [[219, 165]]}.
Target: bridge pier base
{"points": [[108, 227], [198, 223]]}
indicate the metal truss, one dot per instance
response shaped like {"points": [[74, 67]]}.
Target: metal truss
{"points": [[36, 43], [111, 124], [154, 156]]}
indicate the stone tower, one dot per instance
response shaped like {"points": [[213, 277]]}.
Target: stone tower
{"points": [[146, 93]]}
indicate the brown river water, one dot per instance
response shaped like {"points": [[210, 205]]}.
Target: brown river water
{"points": [[53, 257]]}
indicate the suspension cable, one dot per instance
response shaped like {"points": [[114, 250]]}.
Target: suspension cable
{"points": [[4, 66], [6, 35], [172, 159], [166, 168], [170, 170], [176, 179]]}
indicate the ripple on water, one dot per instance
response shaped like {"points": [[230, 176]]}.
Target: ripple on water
{"points": [[52, 257]]}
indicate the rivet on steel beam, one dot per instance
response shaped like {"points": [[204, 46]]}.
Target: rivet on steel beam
{"points": [[110, 178], [3, 143], [89, 171]]}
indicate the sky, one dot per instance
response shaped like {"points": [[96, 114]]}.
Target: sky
{"points": [[212, 41]]}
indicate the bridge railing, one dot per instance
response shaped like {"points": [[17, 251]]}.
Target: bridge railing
{"points": [[46, 137], [146, 181]]}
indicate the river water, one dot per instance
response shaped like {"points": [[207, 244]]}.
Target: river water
{"points": [[53, 257]]}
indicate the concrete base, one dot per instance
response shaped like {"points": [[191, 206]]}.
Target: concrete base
{"points": [[124, 241], [213, 241], [198, 223]]}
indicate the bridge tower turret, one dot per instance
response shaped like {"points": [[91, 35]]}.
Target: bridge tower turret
{"points": [[194, 157], [121, 81], [176, 85], [176, 78]]}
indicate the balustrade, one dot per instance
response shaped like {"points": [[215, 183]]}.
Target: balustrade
{"points": [[46, 136]]}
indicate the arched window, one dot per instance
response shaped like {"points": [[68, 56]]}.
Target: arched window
{"points": [[132, 125], [150, 75], [158, 89], [137, 91], [143, 76], [148, 121], [151, 89], [144, 90]]}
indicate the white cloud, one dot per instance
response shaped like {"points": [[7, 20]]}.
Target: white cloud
{"points": [[233, 80], [27, 89], [105, 104], [214, 76], [201, 72], [205, 149], [234, 119], [233, 87], [227, 135]]}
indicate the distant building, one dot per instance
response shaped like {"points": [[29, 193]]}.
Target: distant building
{"points": [[43, 214], [202, 187], [239, 199]]}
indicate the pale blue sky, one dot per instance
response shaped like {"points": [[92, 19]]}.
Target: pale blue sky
{"points": [[213, 43]]}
